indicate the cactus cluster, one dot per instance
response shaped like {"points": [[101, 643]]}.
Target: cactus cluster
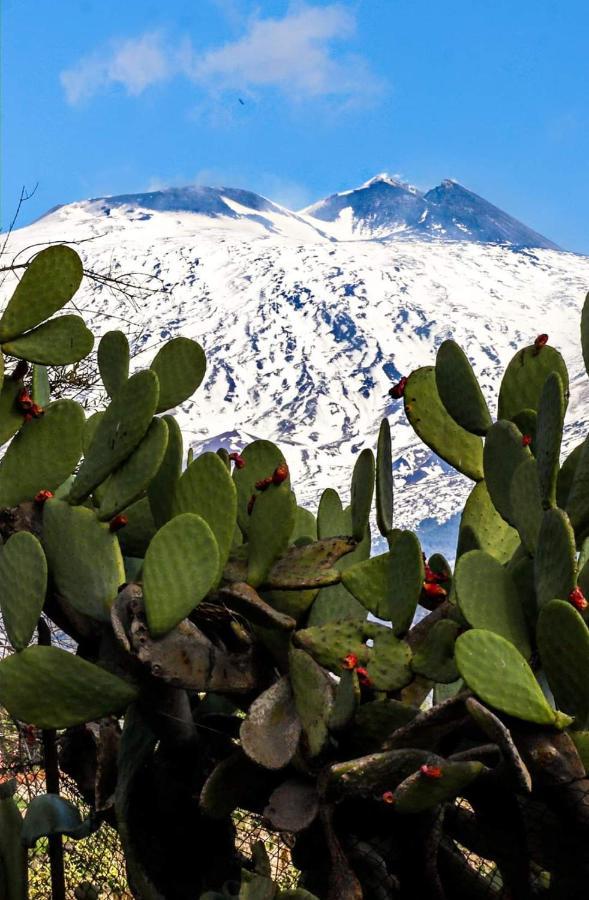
{"points": [[226, 656]]}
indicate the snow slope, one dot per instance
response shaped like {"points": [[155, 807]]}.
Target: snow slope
{"points": [[304, 332]]}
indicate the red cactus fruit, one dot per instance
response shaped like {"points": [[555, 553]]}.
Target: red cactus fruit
{"points": [[28, 417], [24, 400], [388, 797], [363, 677], [280, 474], [431, 577], [398, 389], [37, 411], [433, 590], [350, 661], [19, 371], [42, 496], [118, 522], [526, 440], [577, 598], [264, 483], [541, 340], [238, 460], [250, 504], [431, 771]]}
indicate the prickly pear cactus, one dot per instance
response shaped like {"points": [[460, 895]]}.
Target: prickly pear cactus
{"points": [[236, 651]]}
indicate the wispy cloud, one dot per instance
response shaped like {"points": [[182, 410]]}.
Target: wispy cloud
{"points": [[299, 54]]}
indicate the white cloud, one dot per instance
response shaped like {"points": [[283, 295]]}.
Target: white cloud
{"points": [[296, 54], [135, 64]]}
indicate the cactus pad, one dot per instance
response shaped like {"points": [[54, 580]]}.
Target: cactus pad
{"points": [[50, 281], [180, 366], [555, 566], [482, 528], [389, 664], [181, 566], [84, 558], [313, 698], [40, 389], [549, 436], [346, 700], [59, 342], [162, 487], [434, 657], [272, 523], [497, 673], [113, 361], [119, 431], [331, 518], [261, 459], [23, 576], [436, 427], [271, 730], [504, 452], [418, 793], [524, 379], [362, 492], [73, 690], [526, 503], [43, 453], [207, 489], [329, 644], [384, 479], [563, 644], [129, 481], [488, 598], [11, 417], [459, 389]]}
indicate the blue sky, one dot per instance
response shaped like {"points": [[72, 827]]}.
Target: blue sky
{"points": [[104, 97]]}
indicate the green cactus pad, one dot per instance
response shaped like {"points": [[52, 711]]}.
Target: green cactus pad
{"points": [[482, 528], [180, 568], [113, 361], [90, 429], [180, 366], [13, 855], [436, 427], [329, 644], [23, 576], [504, 452], [549, 436], [135, 537], [246, 601], [566, 475], [372, 774], [526, 503], [129, 481], [271, 730], [11, 417], [162, 487], [434, 657], [362, 492], [563, 644], [384, 479], [84, 557], [418, 793], [555, 565], [488, 598], [336, 602], [50, 281], [585, 332], [271, 525], [119, 431], [346, 700], [389, 585], [59, 342], [233, 783], [313, 698], [376, 721], [43, 453], [389, 664], [524, 379], [40, 389], [261, 459], [310, 566], [207, 489], [331, 519], [577, 503], [51, 688], [496, 672], [459, 389], [305, 525]]}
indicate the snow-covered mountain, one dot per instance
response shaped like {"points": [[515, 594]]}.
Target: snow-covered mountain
{"points": [[386, 207], [305, 326]]}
